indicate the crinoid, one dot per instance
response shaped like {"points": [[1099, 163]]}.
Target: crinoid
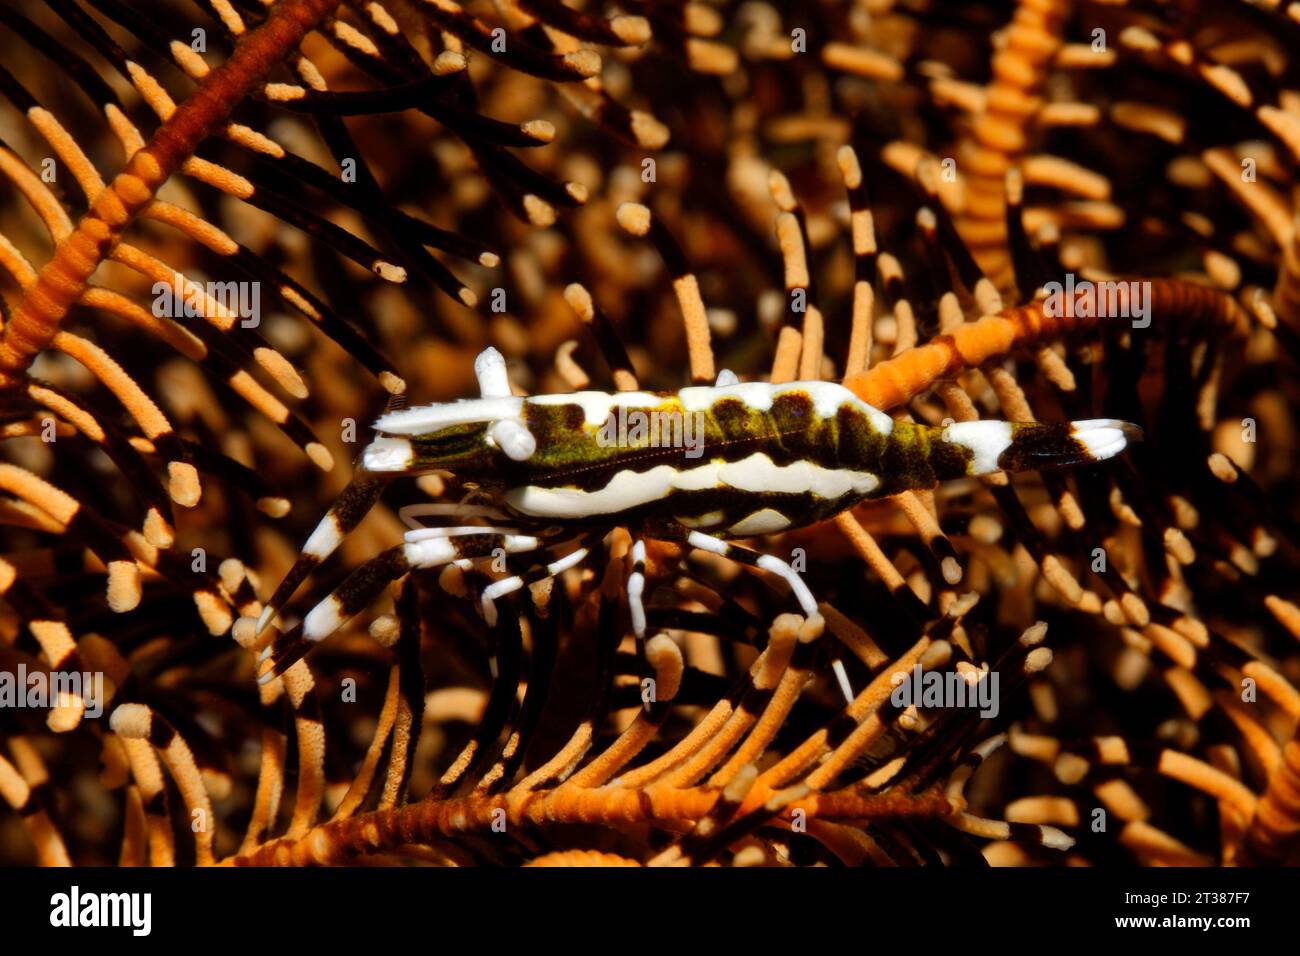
{"points": [[902, 224]]}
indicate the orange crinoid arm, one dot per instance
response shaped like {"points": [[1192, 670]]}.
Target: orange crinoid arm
{"points": [[897, 381], [41, 312]]}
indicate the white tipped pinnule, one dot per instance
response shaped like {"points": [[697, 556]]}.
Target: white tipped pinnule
{"points": [[231, 572], [273, 506], [540, 130], [986, 440], [183, 483], [132, 721], [214, 612], [579, 300], [244, 631], [631, 29], [388, 271], [386, 629], [319, 455], [1055, 839], [648, 130], [951, 569], [726, 377], [583, 62], [540, 213], [123, 585], [1038, 660], [157, 531], [449, 62], [634, 218], [1105, 437], [66, 713], [666, 658]]}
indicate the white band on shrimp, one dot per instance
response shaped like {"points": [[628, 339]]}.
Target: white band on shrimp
{"points": [[513, 437], [498, 589], [636, 590], [424, 534]]}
